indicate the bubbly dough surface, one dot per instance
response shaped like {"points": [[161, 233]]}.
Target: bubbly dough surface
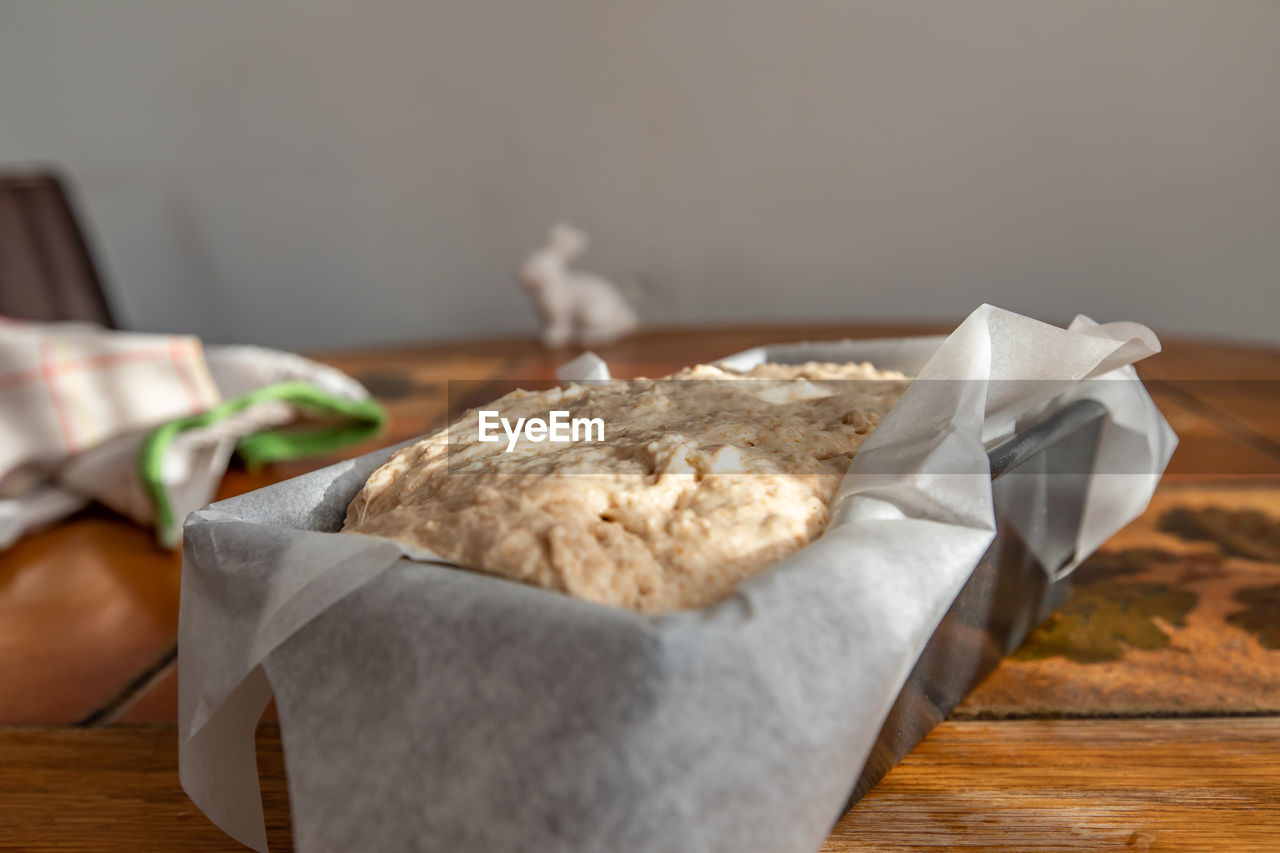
{"points": [[704, 479]]}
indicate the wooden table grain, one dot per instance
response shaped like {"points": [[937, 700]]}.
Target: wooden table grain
{"points": [[1030, 785], [1145, 715]]}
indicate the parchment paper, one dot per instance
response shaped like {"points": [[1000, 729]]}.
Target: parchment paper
{"points": [[427, 708]]}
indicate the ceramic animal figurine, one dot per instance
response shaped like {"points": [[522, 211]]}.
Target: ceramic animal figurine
{"points": [[575, 307]]}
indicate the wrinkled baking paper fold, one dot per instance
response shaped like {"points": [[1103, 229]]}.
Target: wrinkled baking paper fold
{"points": [[426, 708]]}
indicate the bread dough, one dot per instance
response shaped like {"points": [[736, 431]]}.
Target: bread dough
{"points": [[703, 479]]}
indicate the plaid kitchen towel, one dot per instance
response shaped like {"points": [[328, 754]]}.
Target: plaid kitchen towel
{"points": [[146, 424], [67, 387]]}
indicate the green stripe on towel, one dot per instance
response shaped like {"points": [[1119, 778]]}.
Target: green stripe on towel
{"points": [[356, 420]]}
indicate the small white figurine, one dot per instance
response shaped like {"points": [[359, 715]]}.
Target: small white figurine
{"points": [[574, 306]]}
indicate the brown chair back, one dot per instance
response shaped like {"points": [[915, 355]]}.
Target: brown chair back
{"points": [[46, 270]]}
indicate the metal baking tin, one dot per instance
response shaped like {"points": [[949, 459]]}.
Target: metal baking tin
{"points": [[1010, 591], [1040, 476]]}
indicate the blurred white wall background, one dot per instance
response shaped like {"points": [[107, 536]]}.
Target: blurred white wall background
{"points": [[313, 174]]}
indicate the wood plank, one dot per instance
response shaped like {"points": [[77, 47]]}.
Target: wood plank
{"points": [[701, 341], [1235, 385], [1189, 358], [1049, 785], [654, 352], [117, 790], [1062, 785], [85, 606], [1207, 448], [1248, 408]]}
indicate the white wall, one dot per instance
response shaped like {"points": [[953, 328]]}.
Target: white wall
{"points": [[312, 174]]}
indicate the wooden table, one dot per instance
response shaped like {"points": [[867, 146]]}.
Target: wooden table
{"points": [[1144, 716]]}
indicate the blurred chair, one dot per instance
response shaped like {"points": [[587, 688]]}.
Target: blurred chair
{"points": [[46, 270]]}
